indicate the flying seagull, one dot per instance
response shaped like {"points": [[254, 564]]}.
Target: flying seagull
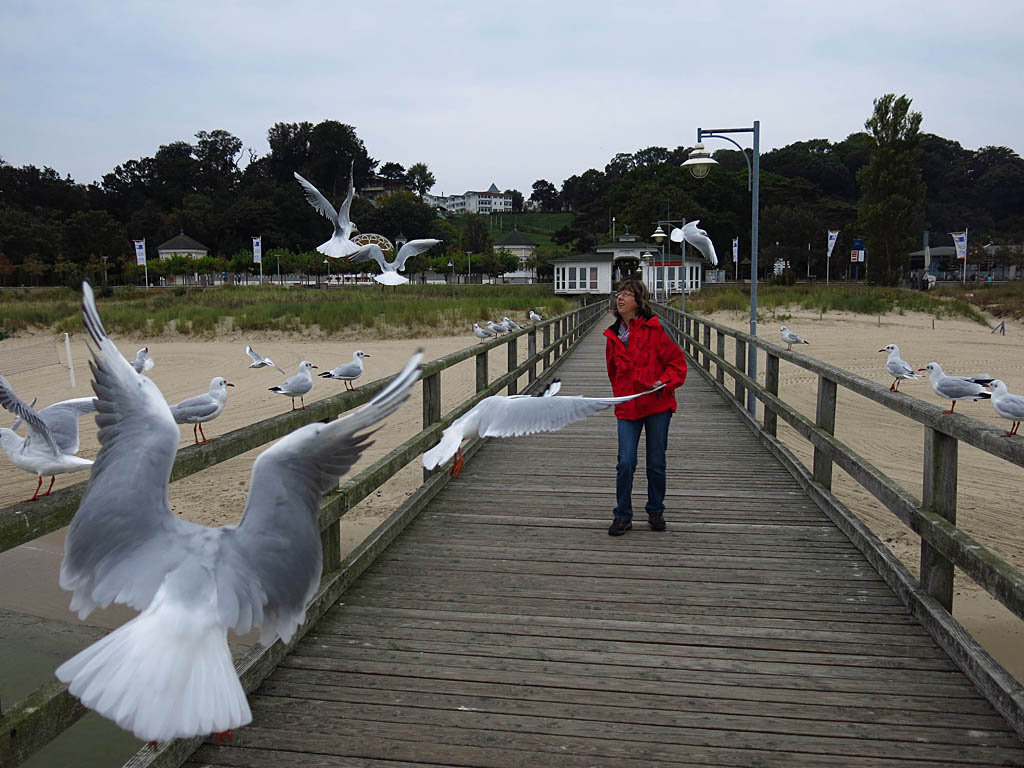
{"points": [[516, 415], [698, 238], [202, 408], [340, 245], [389, 271], [142, 361], [897, 367], [258, 360], [168, 673]]}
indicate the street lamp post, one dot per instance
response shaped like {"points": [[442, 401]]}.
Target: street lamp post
{"points": [[451, 266], [699, 163], [659, 235], [328, 263], [469, 266]]}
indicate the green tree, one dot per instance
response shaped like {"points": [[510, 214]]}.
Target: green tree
{"points": [[477, 236], [517, 199], [419, 178], [890, 209], [392, 171], [545, 195]]}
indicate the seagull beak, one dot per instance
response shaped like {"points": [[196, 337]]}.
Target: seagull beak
{"points": [[228, 384], [881, 350], [367, 355], [922, 369], [314, 366]]}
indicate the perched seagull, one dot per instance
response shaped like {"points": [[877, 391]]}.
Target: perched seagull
{"points": [[1008, 406], [202, 408], [389, 271], [347, 372], [297, 385], [698, 238], [953, 387], [482, 333], [258, 361], [897, 367], [168, 673], [142, 361], [512, 325], [789, 338], [514, 416], [534, 317], [498, 328], [51, 440], [340, 245], [978, 378]]}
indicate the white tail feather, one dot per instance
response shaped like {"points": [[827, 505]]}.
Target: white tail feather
{"points": [[161, 676], [444, 450]]}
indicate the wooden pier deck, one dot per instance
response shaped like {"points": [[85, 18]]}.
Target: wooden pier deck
{"points": [[504, 627]]}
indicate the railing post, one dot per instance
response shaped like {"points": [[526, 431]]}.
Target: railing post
{"points": [[707, 345], [481, 371], [513, 386], [531, 350], [546, 339], [431, 404], [330, 542], [741, 363], [771, 383], [940, 460], [721, 356], [825, 418]]}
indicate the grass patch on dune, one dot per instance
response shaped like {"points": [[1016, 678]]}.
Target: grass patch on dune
{"points": [[863, 300], [412, 310]]}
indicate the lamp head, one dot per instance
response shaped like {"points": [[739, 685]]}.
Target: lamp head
{"points": [[659, 235], [699, 162]]}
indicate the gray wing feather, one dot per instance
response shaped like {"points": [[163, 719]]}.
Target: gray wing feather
{"points": [[62, 420], [271, 562], [198, 407], [318, 201], [345, 370], [953, 388], [367, 252], [124, 538], [508, 417], [35, 426], [412, 248], [346, 205]]}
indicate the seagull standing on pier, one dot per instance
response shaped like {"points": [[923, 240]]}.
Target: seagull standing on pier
{"points": [[897, 367], [482, 333], [347, 372], [954, 387], [535, 318], [297, 385], [168, 673], [203, 408], [1008, 406], [789, 338]]}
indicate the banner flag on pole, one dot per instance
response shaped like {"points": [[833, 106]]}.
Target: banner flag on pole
{"points": [[257, 250], [833, 235], [960, 241], [140, 252], [735, 249]]}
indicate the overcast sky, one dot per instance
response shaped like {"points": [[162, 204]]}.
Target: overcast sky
{"points": [[489, 91]]}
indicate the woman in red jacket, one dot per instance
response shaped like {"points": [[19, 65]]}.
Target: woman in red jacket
{"points": [[641, 356]]}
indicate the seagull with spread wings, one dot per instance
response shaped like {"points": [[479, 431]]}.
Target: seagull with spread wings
{"points": [[340, 245], [698, 238], [258, 360], [389, 271], [51, 440], [168, 672], [514, 416], [142, 361]]}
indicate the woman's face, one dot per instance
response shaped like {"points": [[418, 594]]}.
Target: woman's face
{"points": [[625, 302]]}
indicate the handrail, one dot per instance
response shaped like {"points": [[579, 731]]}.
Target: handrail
{"points": [[49, 710], [943, 545]]}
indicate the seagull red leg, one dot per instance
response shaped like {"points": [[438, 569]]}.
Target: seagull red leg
{"points": [[38, 486], [205, 438], [951, 408], [52, 478]]}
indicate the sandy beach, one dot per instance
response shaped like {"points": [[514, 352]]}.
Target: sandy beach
{"points": [[988, 486], [989, 489]]}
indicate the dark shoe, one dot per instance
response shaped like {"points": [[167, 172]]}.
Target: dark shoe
{"points": [[619, 526], [656, 521]]}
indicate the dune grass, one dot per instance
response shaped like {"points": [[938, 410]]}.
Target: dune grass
{"points": [[865, 300], [413, 310]]}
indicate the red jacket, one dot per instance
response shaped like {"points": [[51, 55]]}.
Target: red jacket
{"points": [[651, 356]]}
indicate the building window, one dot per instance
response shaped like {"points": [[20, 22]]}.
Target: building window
{"points": [[572, 278], [593, 278]]}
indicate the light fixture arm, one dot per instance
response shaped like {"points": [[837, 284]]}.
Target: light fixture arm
{"points": [[715, 133]]}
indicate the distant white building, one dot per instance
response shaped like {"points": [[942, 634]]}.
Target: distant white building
{"points": [[182, 245], [524, 248], [491, 201]]}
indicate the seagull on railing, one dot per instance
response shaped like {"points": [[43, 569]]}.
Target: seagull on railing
{"points": [[789, 338], [497, 328], [168, 673], [514, 416], [142, 361], [389, 270], [534, 317], [897, 367], [954, 387], [340, 245], [258, 360], [51, 440], [1008, 406], [347, 372], [482, 333], [512, 325], [297, 385], [203, 408]]}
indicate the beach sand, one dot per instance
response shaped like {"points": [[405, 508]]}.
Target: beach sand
{"points": [[989, 489]]}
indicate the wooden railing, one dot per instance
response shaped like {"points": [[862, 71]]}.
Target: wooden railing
{"points": [[933, 518], [51, 709]]}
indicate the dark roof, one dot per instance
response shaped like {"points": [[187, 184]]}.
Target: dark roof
{"points": [[182, 242], [515, 237], [583, 257], [493, 188], [938, 250]]}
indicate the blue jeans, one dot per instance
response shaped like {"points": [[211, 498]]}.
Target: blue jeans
{"points": [[656, 426]]}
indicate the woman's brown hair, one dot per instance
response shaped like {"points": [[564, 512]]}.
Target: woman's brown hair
{"points": [[636, 287]]}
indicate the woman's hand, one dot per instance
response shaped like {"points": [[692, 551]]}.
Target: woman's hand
{"points": [[658, 383]]}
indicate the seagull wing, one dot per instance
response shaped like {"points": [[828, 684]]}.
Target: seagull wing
{"points": [[699, 239], [62, 420], [346, 204], [371, 251], [318, 201], [252, 353], [124, 539], [412, 248], [35, 426], [512, 417], [199, 407], [270, 564]]}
